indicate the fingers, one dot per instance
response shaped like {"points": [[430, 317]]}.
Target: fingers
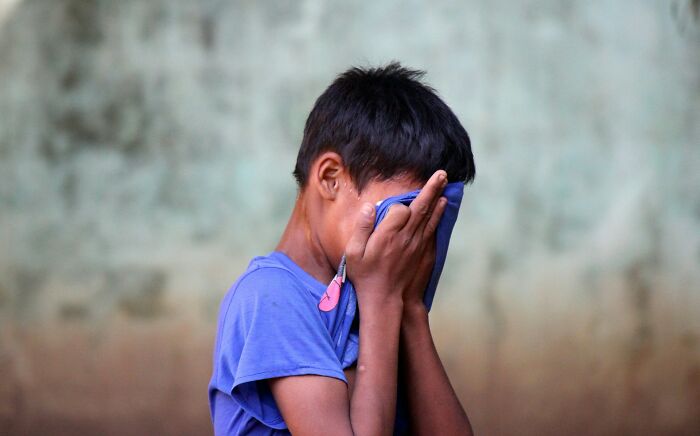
{"points": [[428, 259], [396, 218], [422, 207], [432, 224], [355, 248]]}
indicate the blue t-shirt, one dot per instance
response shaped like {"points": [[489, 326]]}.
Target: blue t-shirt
{"points": [[270, 326]]}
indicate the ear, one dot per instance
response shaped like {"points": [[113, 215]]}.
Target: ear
{"points": [[327, 174]]}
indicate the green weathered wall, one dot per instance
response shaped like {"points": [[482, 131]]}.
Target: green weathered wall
{"points": [[146, 150]]}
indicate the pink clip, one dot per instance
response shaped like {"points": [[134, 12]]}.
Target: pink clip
{"points": [[332, 295]]}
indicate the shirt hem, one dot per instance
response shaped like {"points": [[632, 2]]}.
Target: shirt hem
{"points": [[278, 423]]}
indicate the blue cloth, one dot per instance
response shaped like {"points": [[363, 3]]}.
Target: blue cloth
{"points": [[453, 192], [270, 326]]}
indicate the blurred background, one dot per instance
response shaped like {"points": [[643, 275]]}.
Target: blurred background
{"points": [[146, 150]]}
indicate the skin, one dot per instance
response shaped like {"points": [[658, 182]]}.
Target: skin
{"points": [[390, 268]]}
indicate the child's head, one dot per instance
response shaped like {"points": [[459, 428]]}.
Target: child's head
{"points": [[374, 133]]}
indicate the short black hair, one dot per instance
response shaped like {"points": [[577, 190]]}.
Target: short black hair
{"points": [[385, 122]]}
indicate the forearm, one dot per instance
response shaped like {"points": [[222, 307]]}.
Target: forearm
{"points": [[373, 402], [433, 405]]}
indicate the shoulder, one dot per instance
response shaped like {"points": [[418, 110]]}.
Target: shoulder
{"points": [[269, 289], [267, 281]]}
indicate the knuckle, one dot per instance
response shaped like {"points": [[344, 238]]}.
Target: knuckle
{"points": [[365, 225], [399, 208], [352, 252], [399, 213], [390, 241], [405, 213], [422, 209]]}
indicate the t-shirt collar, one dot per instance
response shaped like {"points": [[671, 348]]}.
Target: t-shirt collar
{"points": [[298, 271]]}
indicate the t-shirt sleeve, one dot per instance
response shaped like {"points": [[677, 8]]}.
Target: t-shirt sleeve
{"points": [[274, 329]]}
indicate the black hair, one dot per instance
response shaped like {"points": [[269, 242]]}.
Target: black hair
{"points": [[385, 122]]}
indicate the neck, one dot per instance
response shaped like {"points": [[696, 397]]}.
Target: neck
{"points": [[300, 243]]}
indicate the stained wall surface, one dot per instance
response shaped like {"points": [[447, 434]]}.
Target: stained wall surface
{"points": [[146, 151]]}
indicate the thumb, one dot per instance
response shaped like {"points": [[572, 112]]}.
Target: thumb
{"points": [[355, 249]]}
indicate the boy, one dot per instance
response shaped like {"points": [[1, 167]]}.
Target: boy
{"points": [[295, 354]]}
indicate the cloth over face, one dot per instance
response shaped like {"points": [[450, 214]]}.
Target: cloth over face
{"points": [[453, 192]]}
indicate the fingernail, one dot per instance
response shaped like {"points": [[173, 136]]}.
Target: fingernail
{"points": [[367, 209], [441, 177]]}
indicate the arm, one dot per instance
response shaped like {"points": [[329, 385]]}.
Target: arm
{"points": [[373, 403], [381, 265], [316, 405], [433, 405]]}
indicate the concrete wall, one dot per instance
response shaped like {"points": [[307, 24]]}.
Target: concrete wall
{"points": [[145, 155]]}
